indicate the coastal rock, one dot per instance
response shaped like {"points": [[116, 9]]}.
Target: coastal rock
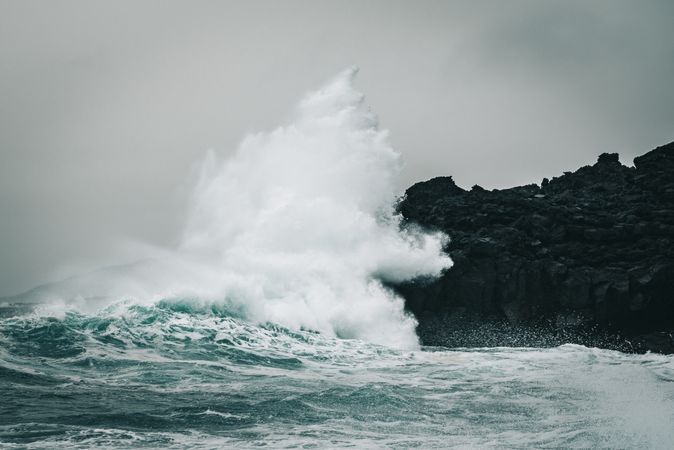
{"points": [[587, 257]]}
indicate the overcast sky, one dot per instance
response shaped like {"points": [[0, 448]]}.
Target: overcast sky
{"points": [[106, 105]]}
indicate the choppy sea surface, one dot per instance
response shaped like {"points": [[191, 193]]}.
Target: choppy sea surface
{"points": [[172, 376]]}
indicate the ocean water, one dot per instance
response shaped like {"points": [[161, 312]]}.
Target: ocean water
{"points": [[174, 375]]}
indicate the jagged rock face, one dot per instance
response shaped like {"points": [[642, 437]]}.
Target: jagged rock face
{"points": [[587, 257]]}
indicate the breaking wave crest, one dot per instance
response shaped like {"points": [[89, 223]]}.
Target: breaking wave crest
{"points": [[297, 228]]}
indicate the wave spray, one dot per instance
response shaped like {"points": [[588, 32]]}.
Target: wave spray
{"points": [[298, 228]]}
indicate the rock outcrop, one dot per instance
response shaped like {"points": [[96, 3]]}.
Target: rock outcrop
{"points": [[587, 257]]}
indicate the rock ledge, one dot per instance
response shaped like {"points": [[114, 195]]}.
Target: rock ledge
{"points": [[587, 257]]}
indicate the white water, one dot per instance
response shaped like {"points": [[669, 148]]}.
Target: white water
{"points": [[296, 228], [300, 223]]}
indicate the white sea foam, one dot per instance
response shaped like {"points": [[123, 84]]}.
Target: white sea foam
{"points": [[300, 225], [296, 228]]}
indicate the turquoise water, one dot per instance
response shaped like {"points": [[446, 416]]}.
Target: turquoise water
{"points": [[174, 376]]}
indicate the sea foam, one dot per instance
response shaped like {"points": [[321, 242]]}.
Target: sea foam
{"points": [[297, 227]]}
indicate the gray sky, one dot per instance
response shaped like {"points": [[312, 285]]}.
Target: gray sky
{"points": [[106, 105]]}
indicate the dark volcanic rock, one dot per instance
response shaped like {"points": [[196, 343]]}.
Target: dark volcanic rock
{"points": [[587, 257]]}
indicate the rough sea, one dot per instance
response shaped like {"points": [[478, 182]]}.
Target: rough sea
{"points": [[171, 376], [270, 325]]}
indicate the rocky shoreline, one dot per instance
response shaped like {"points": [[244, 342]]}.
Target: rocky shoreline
{"points": [[586, 257]]}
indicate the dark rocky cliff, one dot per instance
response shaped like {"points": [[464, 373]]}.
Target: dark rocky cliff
{"points": [[587, 257]]}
